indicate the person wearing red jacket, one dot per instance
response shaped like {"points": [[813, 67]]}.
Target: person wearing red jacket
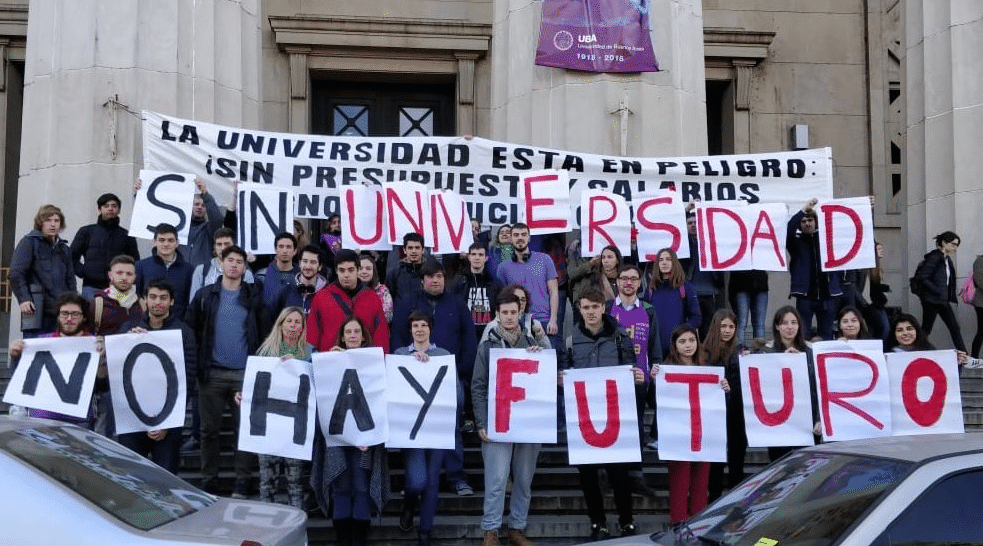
{"points": [[346, 297]]}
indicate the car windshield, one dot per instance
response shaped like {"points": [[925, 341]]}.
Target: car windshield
{"points": [[111, 477], [807, 498]]}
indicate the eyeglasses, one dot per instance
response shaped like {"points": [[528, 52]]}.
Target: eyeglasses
{"points": [[629, 279], [70, 314]]}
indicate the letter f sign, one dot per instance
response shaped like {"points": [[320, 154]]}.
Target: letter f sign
{"points": [[506, 393]]}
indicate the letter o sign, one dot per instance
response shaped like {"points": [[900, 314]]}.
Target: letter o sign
{"points": [[927, 412]]}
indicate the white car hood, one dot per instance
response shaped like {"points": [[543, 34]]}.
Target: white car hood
{"points": [[238, 520]]}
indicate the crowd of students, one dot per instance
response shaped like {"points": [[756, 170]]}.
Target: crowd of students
{"points": [[501, 294]]}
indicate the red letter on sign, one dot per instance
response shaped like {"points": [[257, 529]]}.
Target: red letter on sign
{"points": [[609, 435], [416, 221], [925, 413], [767, 418], [438, 199], [556, 223], [695, 417], [711, 249], [677, 237], [827, 398], [595, 225], [768, 234], [506, 393], [350, 201], [858, 228]]}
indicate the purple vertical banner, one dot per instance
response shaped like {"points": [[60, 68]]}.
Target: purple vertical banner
{"points": [[596, 36]]}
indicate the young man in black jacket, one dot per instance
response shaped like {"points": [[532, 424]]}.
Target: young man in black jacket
{"points": [[95, 245]]}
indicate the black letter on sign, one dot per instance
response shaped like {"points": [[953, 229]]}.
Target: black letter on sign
{"points": [[427, 396], [351, 398], [170, 376], [152, 197], [257, 206], [69, 391], [263, 405]]}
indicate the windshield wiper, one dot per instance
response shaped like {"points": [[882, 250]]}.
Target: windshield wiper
{"points": [[683, 530]]}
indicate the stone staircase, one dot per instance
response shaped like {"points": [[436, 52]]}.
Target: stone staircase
{"points": [[557, 512]]}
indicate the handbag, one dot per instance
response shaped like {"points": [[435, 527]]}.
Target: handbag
{"points": [[968, 291]]}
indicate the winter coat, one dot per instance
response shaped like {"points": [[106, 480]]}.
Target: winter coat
{"points": [[298, 295], [611, 347], [931, 276], [333, 304], [37, 260], [404, 280], [178, 274], [272, 283], [172, 322], [203, 313], [95, 245], [978, 281], [752, 281], [453, 328], [804, 265], [199, 248]]}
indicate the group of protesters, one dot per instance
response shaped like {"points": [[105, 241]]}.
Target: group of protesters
{"points": [[510, 290]]}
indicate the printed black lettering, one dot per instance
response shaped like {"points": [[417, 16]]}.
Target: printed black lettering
{"points": [[69, 391], [152, 197], [262, 405], [170, 383], [427, 395], [351, 398]]}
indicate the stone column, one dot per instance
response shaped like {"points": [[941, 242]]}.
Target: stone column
{"points": [[579, 111], [92, 66], [941, 74]]}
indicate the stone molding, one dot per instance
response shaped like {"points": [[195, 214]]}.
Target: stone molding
{"points": [[732, 53], [374, 33]]}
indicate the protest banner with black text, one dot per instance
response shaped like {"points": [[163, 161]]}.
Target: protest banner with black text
{"points": [[350, 387], [55, 374], [264, 213], [602, 423], [691, 410], [163, 197], [925, 392], [854, 392], [278, 408], [777, 399], [847, 229], [605, 220], [486, 174], [660, 218], [522, 396], [422, 402], [148, 382]]}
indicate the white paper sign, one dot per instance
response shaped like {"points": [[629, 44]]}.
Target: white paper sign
{"points": [[148, 380], [55, 374], [278, 408], [363, 218], [691, 410], [925, 393], [264, 212], [450, 223], [522, 396], [723, 237], [422, 402], [605, 219], [350, 387], [163, 197], [854, 394], [847, 230], [407, 211], [767, 229], [602, 422], [777, 399], [661, 215], [546, 205]]}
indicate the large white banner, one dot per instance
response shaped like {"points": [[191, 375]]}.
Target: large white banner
{"points": [[350, 388], [487, 174], [847, 230], [692, 411], [55, 374], [925, 393], [522, 396], [422, 402], [163, 197], [147, 380], [854, 392], [278, 408], [602, 423], [777, 399], [264, 213]]}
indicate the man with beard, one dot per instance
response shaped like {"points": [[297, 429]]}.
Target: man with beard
{"points": [[95, 245], [208, 272], [282, 272], [307, 282], [206, 217], [816, 292], [346, 297], [161, 446]]}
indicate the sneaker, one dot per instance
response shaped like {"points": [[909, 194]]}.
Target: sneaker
{"points": [[464, 489], [628, 530], [598, 532], [653, 445]]}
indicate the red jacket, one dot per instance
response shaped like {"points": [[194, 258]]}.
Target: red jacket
{"points": [[332, 305]]}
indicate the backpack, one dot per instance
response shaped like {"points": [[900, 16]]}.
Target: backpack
{"points": [[968, 292]]}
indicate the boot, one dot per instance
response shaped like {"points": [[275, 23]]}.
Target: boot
{"points": [[360, 532], [423, 538], [343, 531], [518, 538], [491, 539], [406, 516]]}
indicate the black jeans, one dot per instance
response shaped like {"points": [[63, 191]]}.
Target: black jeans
{"points": [[943, 311], [594, 498], [978, 339]]}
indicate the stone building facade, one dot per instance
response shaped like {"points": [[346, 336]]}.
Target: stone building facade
{"points": [[737, 76]]}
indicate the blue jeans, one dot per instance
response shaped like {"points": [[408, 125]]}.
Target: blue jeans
{"points": [[757, 304], [423, 480], [453, 460], [500, 458], [355, 502], [824, 311]]}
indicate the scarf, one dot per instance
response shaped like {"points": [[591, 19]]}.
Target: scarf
{"points": [[125, 299], [510, 338]]}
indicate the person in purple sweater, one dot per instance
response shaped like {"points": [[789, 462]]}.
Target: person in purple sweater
{"points": [[673, 298]]}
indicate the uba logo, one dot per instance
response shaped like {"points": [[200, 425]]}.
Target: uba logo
{"points": [[586, 38]]}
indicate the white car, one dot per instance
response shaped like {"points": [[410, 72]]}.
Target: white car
{"points": [[61, 484], [910, 490]]}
